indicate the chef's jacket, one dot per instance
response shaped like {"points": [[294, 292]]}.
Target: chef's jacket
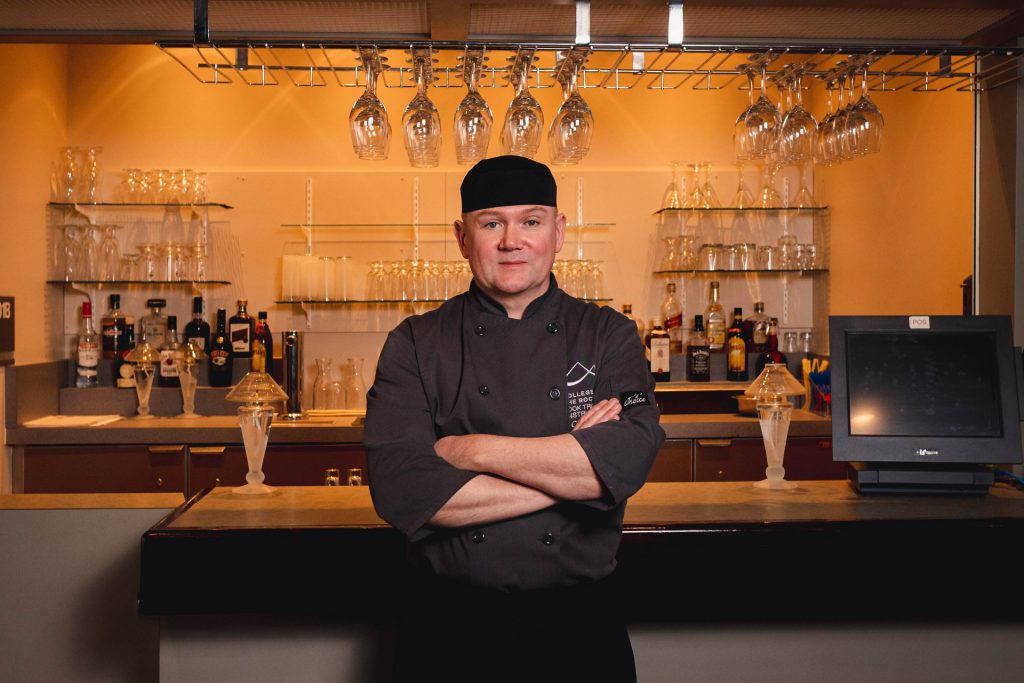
{"points": [[467, 368]]}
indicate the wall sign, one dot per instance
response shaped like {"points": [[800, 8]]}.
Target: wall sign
{"points": [[6, 330]]}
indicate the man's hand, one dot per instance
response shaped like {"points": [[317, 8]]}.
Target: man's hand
{"points": [[602, 411]]}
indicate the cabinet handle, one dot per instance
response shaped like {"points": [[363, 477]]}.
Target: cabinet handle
{"points": [[166, 449], [217, 481], [721, 475], [159, 482], [207, 450], [714, 443]]}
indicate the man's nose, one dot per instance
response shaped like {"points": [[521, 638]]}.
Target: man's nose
{"points": [[511, 239]]}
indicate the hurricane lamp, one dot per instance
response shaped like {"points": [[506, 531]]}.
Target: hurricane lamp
{"points": [[257, 392], [774, 411], [144, 359], [188, 376]]}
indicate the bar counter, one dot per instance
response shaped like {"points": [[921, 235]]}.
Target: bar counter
{"points": [[690, 552], [223, 429]]}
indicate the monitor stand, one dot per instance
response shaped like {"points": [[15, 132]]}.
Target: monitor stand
{"points": [[873, 477]]}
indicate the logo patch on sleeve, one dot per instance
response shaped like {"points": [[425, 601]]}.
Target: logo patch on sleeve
{"points": [[631, 399]]}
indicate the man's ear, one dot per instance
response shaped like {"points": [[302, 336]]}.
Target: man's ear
{"points": [[459, 230]]}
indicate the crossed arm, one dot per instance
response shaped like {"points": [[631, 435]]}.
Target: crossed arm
{"points": [[519, 475]]}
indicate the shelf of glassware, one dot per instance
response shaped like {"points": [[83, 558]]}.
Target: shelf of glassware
{"points": [[749, 271], [391, 302], [99, 284], [142, 205], [749, 209]]}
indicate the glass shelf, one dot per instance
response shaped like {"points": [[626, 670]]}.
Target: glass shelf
{"points": [[100, 205], [811, 271], [753, 209], [569, 226], [151, 283]]}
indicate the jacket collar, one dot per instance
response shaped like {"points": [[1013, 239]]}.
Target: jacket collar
{"points": [[492, 306]]}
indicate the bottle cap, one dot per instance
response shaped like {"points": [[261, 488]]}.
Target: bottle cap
{"points": [[172, 322], [262, 315], [242, 303], [197, 304], [738, 311], [156, 303], [115, 301], [86, 309]]}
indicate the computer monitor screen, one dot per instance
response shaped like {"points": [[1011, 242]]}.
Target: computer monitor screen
{"points": [[919, 383], [924, 391]]}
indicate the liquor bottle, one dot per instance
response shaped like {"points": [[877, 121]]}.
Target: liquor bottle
{"points": [[155, 324], [714, 320], [87, 364], [198, 330], [220, 353], [660, 355], [266, 338], [171, 353], [124, 372], [698, 353], [772, 355], [112, 328], [627, 310], [672, 318], [241, 330], [736, 349], [757, 324]]}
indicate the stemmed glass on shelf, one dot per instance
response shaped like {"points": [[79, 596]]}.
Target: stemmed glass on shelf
{"points": [[368, 120], [473, 118], [573, 126], [110, 254], [421, 123], [524, 119]]}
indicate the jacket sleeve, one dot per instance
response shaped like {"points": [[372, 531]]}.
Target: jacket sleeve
{"points": [[409, 482], [622, 451]]}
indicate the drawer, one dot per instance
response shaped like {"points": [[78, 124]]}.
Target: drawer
{"points": [[103, 469]]}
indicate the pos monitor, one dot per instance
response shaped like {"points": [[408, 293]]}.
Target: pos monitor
{"points": [[922, 403]]}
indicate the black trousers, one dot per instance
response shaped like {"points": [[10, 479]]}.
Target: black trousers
{"points": [[452, 632]]}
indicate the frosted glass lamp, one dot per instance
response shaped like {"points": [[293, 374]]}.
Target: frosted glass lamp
{"points": [[144, 358], [258, 392], [188, 374], [771, 389]]}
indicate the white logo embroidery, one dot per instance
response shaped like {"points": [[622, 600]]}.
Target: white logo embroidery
{"points": [[577, 368]]}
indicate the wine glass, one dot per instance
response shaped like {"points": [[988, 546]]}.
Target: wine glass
{"points": [[673, 198], [799, 129], [741, 199], [768, 197], [742, 140], [760, 124], [709, 199], [89, 254], [865, 121], [473, 118], [524, 119], [573, 126], [91, 175], [421, 123], [824, 147], [804, 196], [68, 260], [67, 174], [368, 119], [110, 254]]}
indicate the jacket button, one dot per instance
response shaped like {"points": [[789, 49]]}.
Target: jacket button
{"points": [[554, 393], [483, 389], [547, 539], [480, 330], [478, 537], [552, 327]]}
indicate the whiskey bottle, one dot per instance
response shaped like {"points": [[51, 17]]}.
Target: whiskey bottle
{"points": [[220, 353], [241, 330], [772, 355], [672, 318], [155, 324], [112, 328], [124, 372], [758, 324], [266, 338], [198, 330], [88, 361], [698, 353], [714, 320], [171, 354], [660, 355], [736, 349]]}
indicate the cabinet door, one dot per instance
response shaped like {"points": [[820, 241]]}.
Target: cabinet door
{"points": [[103, 469], [674, 461], [283, 464], [806, 458]]}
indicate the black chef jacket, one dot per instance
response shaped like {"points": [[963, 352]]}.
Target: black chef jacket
{"points": [[468, 368]]}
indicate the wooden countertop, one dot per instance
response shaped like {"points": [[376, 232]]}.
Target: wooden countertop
{"points": [[223, 430], [89, 501]]}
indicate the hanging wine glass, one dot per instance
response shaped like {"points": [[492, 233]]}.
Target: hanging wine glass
{"points": [[762, 123], [866, 120], [573, 127], [368, 120], [421, 123], [524, 120], [824, 146], [743, 141], [799, 129], [473, 117]]}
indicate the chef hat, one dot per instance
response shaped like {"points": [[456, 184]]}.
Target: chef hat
{"points": [[508, 181]]}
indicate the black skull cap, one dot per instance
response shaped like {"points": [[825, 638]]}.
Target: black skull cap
{"points": [[508, 181]]}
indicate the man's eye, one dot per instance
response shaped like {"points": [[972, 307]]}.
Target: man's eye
{"points": [[490, 225], [532, 223]]}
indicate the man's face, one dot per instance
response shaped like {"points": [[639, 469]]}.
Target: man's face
{"points": [[511, 249]]}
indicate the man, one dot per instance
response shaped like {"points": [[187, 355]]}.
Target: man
{"points": [[504, 433]]}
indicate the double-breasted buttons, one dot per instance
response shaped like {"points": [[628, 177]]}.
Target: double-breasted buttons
{"points": [[552, 327], [480, 330], [483, 389], [548, 539], [554, 393], [478, 536]]}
